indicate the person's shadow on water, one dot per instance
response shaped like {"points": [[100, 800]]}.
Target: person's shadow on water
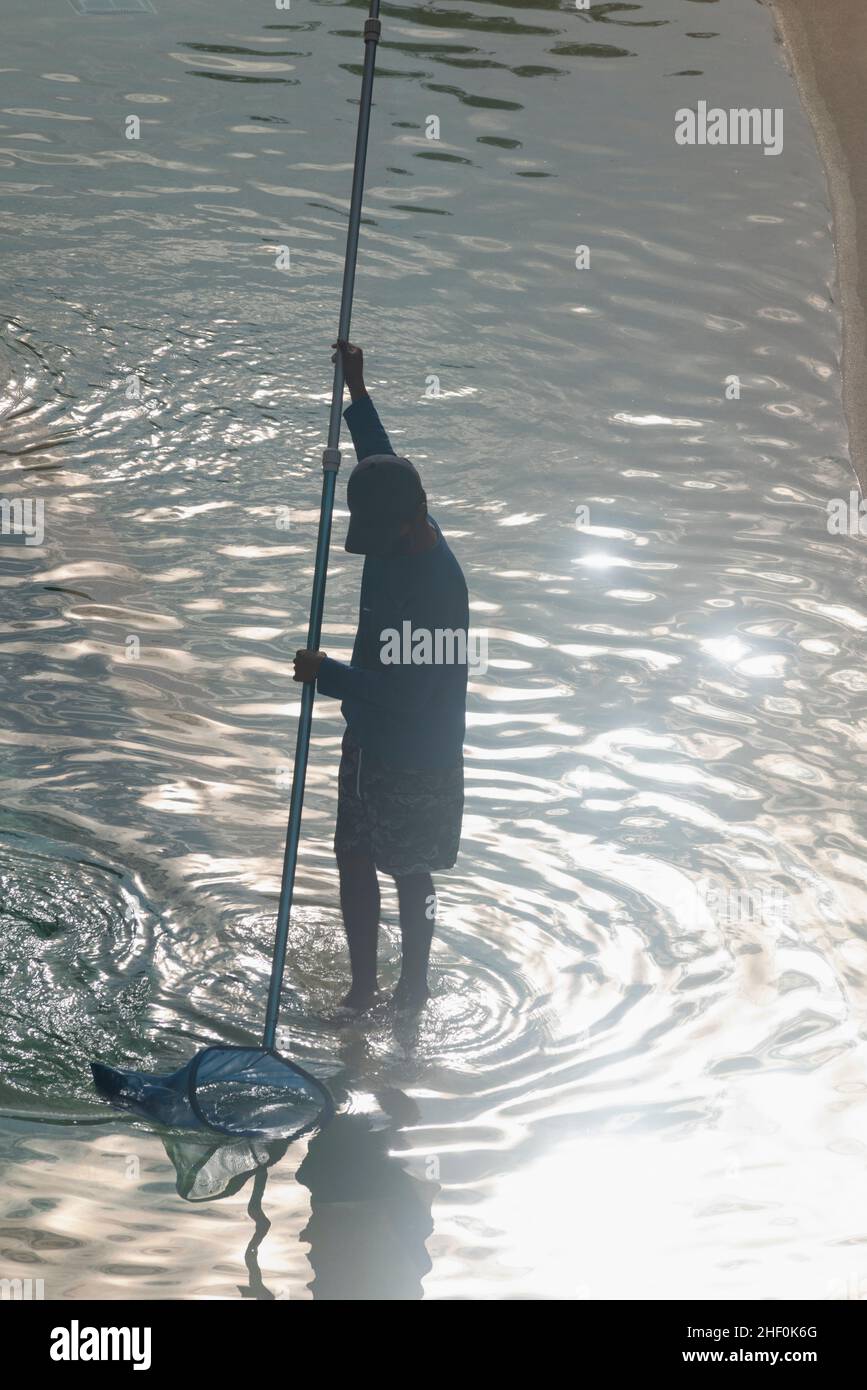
{"points": [[370, 1218]]}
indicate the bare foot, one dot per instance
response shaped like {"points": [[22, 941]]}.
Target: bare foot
{"points": [[354, 1005], [408, 1000]]}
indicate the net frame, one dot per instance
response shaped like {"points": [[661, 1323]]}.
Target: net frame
{"points": [[322, 1117]]}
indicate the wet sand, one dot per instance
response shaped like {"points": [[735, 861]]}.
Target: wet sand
{"points": [[826, 42]]}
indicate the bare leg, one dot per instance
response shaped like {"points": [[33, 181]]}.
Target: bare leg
{"points": [[415, 894], [359, 903]]}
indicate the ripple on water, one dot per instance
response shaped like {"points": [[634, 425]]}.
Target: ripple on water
{"points": [[656, 922], [75, 974]]}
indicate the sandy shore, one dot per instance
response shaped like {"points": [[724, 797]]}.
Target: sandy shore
{"points": [[826, 41]]}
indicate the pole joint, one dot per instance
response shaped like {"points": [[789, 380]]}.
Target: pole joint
{"points": [[330, 460], [372, 30]]}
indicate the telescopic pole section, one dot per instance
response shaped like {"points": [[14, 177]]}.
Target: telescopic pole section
{"points": [[330, 465]]}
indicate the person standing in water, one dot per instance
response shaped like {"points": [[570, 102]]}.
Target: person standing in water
{"points": [[401, 781]]}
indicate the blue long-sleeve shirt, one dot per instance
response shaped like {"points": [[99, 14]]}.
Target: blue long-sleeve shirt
{"points": [[404, 714]]}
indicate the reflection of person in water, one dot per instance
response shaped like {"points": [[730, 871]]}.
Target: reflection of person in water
{"points": [[369, 1218]]}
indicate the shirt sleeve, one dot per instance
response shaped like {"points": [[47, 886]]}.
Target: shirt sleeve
{"points": [[366, 429], [400, 687]]}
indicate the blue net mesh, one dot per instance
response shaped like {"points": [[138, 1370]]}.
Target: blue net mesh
{"points": [[239, 1091], [208, 1168]]}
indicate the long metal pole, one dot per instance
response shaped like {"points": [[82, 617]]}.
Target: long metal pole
{"points": [[330, 466]]}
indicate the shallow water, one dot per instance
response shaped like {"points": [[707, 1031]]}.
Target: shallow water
{"points": [[643, 1071]]}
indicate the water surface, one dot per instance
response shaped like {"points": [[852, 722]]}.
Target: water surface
{"points": [[642, 1073]]}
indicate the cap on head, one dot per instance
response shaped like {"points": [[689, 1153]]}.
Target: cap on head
{"points": [[383, 492]]}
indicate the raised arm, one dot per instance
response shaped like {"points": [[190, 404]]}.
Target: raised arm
{"points": [[369, 438], [365, 426]]}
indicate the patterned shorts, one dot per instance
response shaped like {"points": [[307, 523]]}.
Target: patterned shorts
{"points": [[407, 821]]}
